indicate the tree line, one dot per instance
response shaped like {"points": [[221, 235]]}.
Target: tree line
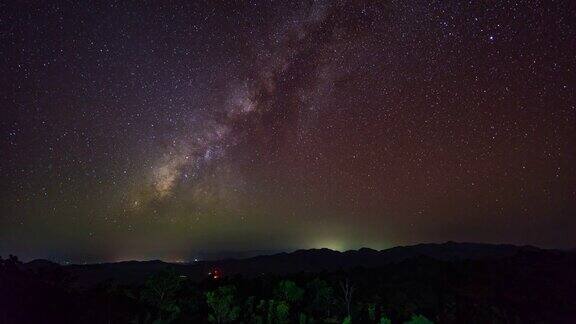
{"points": [[419, 290]]}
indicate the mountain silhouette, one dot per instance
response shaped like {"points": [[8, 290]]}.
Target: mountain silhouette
{"points": [[312, 260]]}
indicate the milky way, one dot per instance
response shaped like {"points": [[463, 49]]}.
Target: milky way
{"points": [[158, 130]]}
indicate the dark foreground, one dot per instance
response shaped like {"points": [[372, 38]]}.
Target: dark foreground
{"points": [[518, 286]]}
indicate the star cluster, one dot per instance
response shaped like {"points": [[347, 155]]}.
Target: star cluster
{"points": [[156, 130]]}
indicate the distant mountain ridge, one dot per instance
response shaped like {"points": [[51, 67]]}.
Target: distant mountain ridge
{"points": [[312, 260]]}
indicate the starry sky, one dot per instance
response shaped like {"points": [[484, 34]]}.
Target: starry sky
{"points": [[155, 129]]}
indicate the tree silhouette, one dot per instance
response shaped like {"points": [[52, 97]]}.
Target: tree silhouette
{"points": [[274, 311], [385, 320], [320, 297], [303, 319], [160, 290], [347, 291], [372, 312], [419, 319], [282, 312], [288, 291], [221, 302]]}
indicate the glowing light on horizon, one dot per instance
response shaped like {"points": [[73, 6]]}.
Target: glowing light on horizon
{"points": [[333, 244]]}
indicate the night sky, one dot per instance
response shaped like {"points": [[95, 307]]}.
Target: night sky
{"points": [[145, 130]]}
